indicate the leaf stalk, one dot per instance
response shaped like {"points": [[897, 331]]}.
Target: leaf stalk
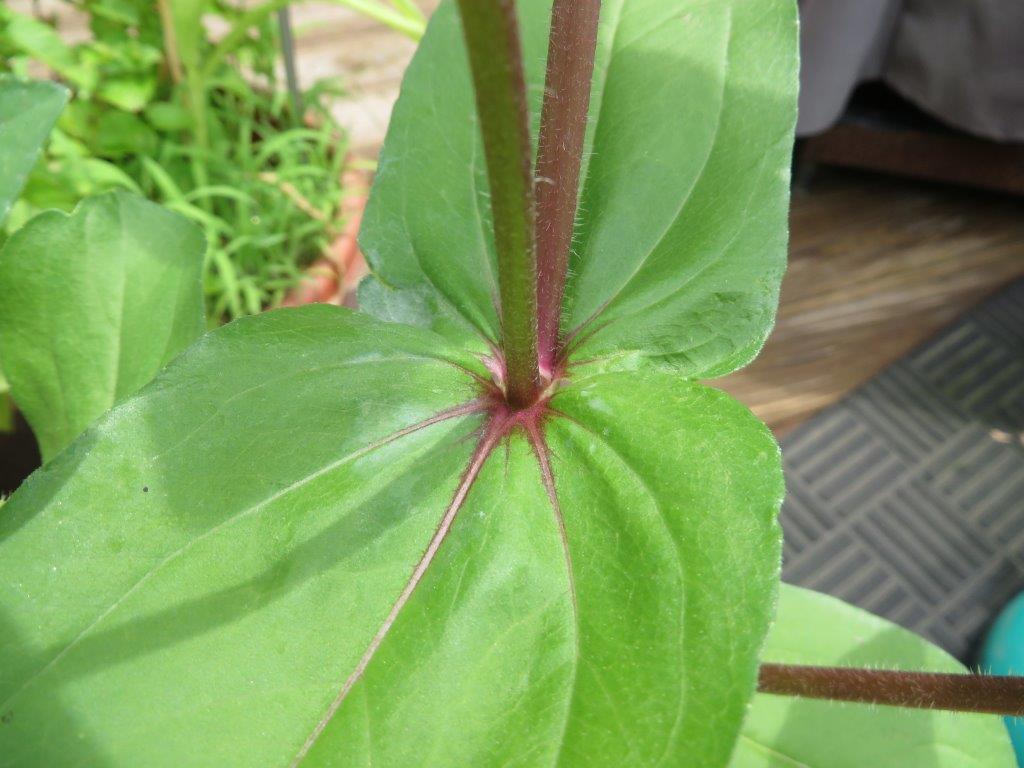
{"points": [[991, 694]]}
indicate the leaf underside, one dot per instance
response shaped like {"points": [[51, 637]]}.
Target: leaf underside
{"points": [[316, 538], [782, 732]]}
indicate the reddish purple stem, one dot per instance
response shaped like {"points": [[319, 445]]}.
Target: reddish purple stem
{"points": [[992, 694], [563, 126]]}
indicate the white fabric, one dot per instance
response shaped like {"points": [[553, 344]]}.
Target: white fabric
{"points": [[960, 60]]}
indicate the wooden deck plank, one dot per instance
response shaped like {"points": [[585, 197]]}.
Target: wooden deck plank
{"points": [[877, 265]]}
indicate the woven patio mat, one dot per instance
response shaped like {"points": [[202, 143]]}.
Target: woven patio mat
{"points": [[907, 497]]}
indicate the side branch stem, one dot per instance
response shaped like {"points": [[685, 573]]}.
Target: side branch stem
{"points": [[495, 59], [563, 126], [992, 694]]}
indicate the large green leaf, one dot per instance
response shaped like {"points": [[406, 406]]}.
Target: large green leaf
{"points": [[202, 573], [321, 538], [494, 664], [28, 111], [690, 276], [681, 240], [93, 305], [782, 732]]}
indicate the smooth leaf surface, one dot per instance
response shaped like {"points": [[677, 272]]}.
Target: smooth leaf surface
{"points": [[653, 658], [660, 520], [94, 303], [28, 111], [682, 242], [199, 578], [783, 732], [681, 237], [191, 578]]}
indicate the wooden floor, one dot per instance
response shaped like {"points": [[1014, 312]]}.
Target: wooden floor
{"points": [[877, 264]]}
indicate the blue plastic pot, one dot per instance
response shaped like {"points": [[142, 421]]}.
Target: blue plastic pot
{"points": [[1003, 654]]}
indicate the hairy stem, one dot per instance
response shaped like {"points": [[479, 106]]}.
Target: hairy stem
{"points": [[992, 694], [563, 126], [492, 38]]}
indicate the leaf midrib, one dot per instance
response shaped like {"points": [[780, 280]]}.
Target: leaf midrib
{"points": [[542, 453], [492, 435]]}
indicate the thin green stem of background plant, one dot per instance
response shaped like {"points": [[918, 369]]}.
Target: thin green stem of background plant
{"points": [[409, 24]]}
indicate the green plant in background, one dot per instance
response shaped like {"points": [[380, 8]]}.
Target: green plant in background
{"points": [[512, 529], [203, 127], [27, 114]]}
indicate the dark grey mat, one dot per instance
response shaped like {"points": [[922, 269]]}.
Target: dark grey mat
{"points": [[907, 497]]}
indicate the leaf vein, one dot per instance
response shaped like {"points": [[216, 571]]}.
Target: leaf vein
{"points": [[491, 437], [350, 457]]}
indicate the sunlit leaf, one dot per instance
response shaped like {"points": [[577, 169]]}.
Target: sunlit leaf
{"points": [[321, 538], [236, 535]]}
